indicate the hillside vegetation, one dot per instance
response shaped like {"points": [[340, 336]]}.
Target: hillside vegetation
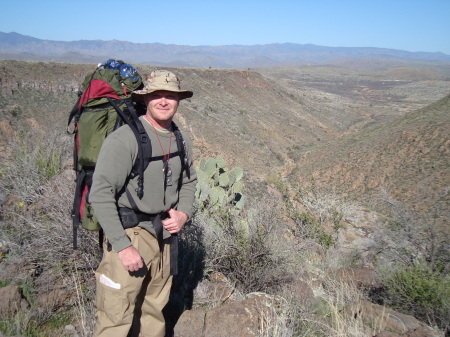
{"points": [[342, 182], [408, 157]]}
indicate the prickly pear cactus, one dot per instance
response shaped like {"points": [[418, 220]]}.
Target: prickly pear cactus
{"points": [[218, 187]]}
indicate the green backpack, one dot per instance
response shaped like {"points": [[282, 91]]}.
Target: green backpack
{"points": [[104, 105]]}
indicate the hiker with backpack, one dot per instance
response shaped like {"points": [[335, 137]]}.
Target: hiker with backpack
{"points": [[141, 216]]}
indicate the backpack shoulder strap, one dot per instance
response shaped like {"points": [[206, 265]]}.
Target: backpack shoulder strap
{"points": [[144, 144], [181, 144]]}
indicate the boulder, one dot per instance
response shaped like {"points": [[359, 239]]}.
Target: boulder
{"points": [[422, 331], [10, 300], [235, 318], [218, 288], [190, 324], [387, 319], [362, 277], [302, 292]]}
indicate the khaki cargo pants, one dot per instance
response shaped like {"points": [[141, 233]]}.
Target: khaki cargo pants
{"points": [[133, 302]]}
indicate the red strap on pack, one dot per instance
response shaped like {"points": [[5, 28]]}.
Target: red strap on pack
{"points": [[77, 140], [83, 200]]}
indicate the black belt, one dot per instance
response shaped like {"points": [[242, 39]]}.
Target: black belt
{"points": [[131, 218]]}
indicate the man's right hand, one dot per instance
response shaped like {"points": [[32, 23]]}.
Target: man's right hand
{"points": [[131, 259]]}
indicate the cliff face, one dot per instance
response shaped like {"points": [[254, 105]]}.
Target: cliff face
{"points": [[40, 76]]}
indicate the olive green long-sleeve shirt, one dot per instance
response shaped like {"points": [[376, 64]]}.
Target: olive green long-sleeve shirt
{"points": [[114, 165]]}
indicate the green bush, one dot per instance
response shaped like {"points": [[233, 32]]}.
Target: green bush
{"points": [[419, 291], [307, 227], [47, 161]]}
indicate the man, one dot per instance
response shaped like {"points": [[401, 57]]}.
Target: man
{"points": [[134, 276]]}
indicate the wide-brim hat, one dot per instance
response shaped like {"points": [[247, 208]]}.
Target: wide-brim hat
{"points": [[162, 80]]}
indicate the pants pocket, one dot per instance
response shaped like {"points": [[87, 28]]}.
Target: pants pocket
{"points": [[110, 301]]}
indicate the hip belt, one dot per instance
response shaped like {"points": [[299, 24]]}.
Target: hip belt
{"points": [[131, 218]]}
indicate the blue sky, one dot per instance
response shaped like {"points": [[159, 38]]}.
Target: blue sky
{"points": [[412, 25]]}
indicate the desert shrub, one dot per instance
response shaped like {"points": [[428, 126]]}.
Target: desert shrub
{"points": [[316, 215], [307, 227], [419, 291], [237, 242], [277, 318], [321, 204], [48, 162], [241, 247], [323, 312], [414, 256], [240, 243], [24, 324], [36, 226], [32, 163], [39, 218], [409, 237]]}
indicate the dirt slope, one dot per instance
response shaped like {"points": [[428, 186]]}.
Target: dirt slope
{"points": [[409, 157]]}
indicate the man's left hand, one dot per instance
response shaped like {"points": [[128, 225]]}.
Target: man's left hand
{"points": [[176, 221]]}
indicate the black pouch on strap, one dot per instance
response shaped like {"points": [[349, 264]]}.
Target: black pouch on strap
{"points": [[130, 218]]}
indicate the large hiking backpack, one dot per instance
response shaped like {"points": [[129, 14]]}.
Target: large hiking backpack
{"points": [[104, 105]]}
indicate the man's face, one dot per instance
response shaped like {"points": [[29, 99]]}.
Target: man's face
{"points": [[162, 106]]}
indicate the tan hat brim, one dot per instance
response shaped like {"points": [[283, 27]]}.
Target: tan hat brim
{"points": [[182, 93]]}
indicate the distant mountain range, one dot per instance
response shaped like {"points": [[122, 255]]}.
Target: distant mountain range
{"points": [[21, 47]]}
